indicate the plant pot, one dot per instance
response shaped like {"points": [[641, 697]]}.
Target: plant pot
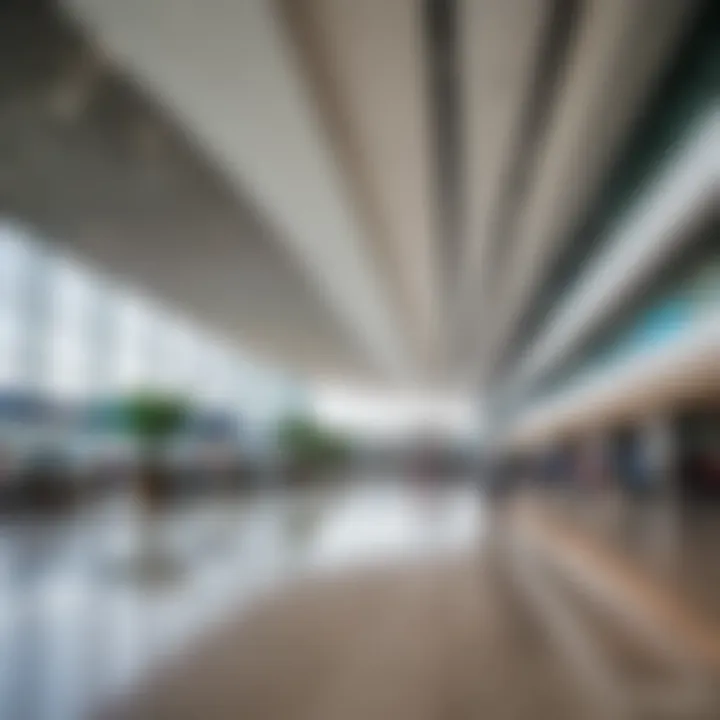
{"points": [[153, 487]]}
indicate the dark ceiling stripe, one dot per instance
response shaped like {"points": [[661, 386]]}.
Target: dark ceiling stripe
{"points": [[689, 81], [563, 16], [441, 37]]}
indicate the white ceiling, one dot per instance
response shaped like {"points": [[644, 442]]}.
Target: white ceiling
{"points": [[616, 57], [320, 242], [366, 62], [228, 74]]}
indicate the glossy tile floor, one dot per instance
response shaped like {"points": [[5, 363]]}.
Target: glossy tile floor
{"points": [[78, 624], [371, 598]]}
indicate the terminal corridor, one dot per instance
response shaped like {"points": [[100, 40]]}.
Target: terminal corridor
{"points": [[359, 359]]}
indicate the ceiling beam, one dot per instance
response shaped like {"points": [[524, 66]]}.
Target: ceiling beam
{"points": [[227, 72], [620, 51]]}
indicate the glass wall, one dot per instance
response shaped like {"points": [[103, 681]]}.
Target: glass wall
{"points": [[13, 262], [70, 335], [70, 348]]}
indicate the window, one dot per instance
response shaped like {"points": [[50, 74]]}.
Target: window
{"points": [[13, 267], [215, 388], [131, 368], [70, 370], [175, 355]]}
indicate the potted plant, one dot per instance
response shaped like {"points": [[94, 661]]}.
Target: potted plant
{"points": [[308, 449], [153, 418]]}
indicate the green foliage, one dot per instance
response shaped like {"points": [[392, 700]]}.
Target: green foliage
{"points": [[153, 417], [307, 445]]}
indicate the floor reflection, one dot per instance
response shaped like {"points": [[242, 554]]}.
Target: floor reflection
{"points": [[379, 523], [75, 628]]}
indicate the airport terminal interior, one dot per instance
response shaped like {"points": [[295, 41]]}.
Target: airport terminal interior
{"points": [[359, 359]]}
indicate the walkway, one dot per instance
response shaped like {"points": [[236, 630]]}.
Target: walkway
{"points": [[365, 600]]}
